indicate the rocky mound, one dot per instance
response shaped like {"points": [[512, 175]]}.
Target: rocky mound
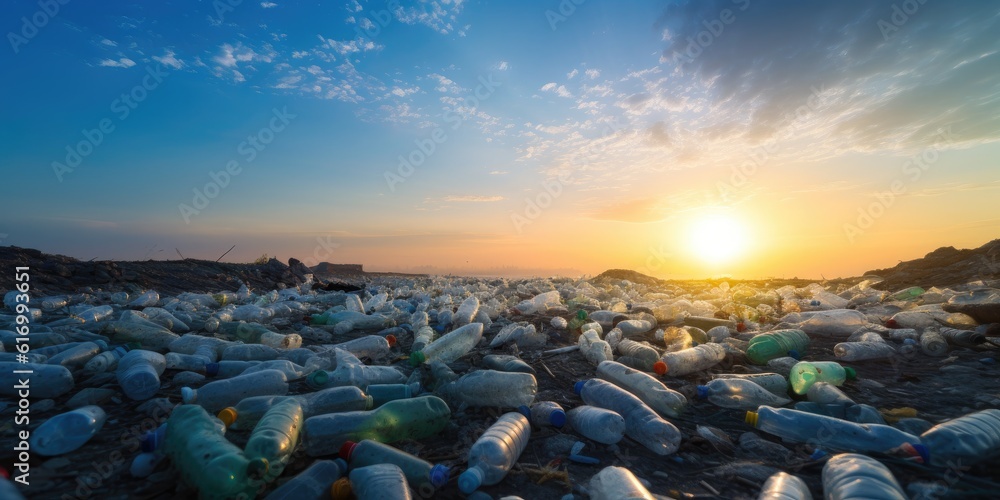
{"points": [[943, 267]]}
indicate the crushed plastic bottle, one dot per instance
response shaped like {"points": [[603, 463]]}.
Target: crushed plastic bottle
{"points": [[739, 394], [775, 344], [850, 476], [419, 473], [962, 338], [139, 373], [414, 418], [806, 373], [495, 452], [597, 424], [784, 486], [641, 422], [827, 432], [451, 346], [615, 483], [214, 396], [687, 361], [491, 388], [649, 390], [68, 431], [593, 348]]}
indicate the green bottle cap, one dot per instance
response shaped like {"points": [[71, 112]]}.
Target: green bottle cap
{"points": [[417, 358], [851, 374]]}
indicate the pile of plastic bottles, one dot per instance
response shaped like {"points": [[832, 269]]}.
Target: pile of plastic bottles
{"points": [[346, 383]]}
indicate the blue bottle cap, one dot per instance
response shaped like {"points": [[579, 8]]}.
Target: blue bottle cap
{"points": [[558, 418], [702, 391], [470, 480], [583, 459], [341, 465], [818, 454], [909, 342], [439, 475], [211, 369], [794, 354], [578, 387], [525, 411]]}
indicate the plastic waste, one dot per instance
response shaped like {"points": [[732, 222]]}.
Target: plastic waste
{"points": [[148, 298], [260, 334], [215, 396], [772, 382], [597, 424], [540, 303], [374, 347], [68, 431], [205, 458], [641, 423], [616, 483], [962, 338], [190, 362], [933, 344], [966, 440], [139, 373], [44, 381], [649, 390], [687, 361], [249, 352], [246, 413], [350, 371], [827, 432], [775, 344], [862, 351], [784, 486], [466, 311], [825, 393], [312, 483], [379, 482], [419, 473], [559, 323], [593, 348], [491, 388], [451, 346], [414, 418], [423, 336], [274, 439], [544, 414], [829, 323], [522, 334], [638, 355], [635, 327], [507, 363], [850, 476], [495, 452], [806, 373], [383, 393], [740, 394], [150, 335], [78, 356]]}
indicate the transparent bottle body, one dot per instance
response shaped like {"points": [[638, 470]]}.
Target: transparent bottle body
{"points": [[774, 383], [219, 394], [597, 424], [416, 470], [691, 360], [775, 344], [617, 483], [204, 457], [831, 433], [641, 422], [784, 486], [379, 482], [496, 451], [139, 373], [414, 418], [806, 373], [274, 438], [969, 439], [68, 431], [850, 476], [454, 344], [652, 392], [314, 482], [860, 351], [741, 394], [492, 388]]}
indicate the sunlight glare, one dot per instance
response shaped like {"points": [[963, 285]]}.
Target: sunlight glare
{"points": [[717, 238]]}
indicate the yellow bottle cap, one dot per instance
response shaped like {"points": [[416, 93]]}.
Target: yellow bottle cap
{"points": [[228, 416]]}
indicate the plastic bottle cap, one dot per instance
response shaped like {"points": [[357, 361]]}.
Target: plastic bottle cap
{"points": [[578, 387], [918, 450], [188, 395], [660, 368], [104, 345], [417, 358], [751, 418], [702, 391], [341, 466], [794, 354], [558, 418], [851, 374], [149, 442], [318, 378], [257, 468], [470, 480], [525, 411], [228, 416], [439, 475], [341, 489], [347, 449], [211, 369], [391, 339]]}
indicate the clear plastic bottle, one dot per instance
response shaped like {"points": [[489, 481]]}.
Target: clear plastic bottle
{"points": [[495, 452], [291, 370], [850, 476], [249, 352], [775, 344], [414, 418], [507, 363], [139, 373], [374, 347], [190, 344], [205, 458], [861, 351], [966, 440], [645, 356], [593, 348], [215, 396], [634, 327], [832, 323], [641, 423], [45, 381], [544, 414], [95, 314], [466, 311], [260, 334], [784, 486], [228, 369], [274, 439], [379, 482], [739, 394], [932, 343], [353, 303], [652, 392], [774, 383], [827, 432], [68, 431], [314, 482], [491, 388], [419, 473], [522, 334], [383, 393], [962, 338], [806, 373], [78, 356], [148, 298], [597, 424], [350, 371], [826, 393], [424, 335], [245, 414], [615, 483], [687, 361], [150, 335], [190, 362], [450, 346]]}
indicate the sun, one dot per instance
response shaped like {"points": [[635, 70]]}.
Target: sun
{"points": [[717, 238]]}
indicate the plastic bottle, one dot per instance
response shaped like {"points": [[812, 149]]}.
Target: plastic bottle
{"points": [[148, 298], [68, 431], [652, 392], [95, 314], [495, 452], [44, 381], [522, 334], [314, 482], [379, 482], [193, 344], [274, 439], [466, 311], [414, 418], [616, 483], [641, 423], [260, 334], [78, 356], [424, 335], [593, 348], [831, 323], [350, 371], [507, 363], [806, 373], [219, 394], [739, 394], [825, 393], [246, 413], [850, 476], [827, 432], [860, 351], [291, 370], [772, 382], [933, 344], [374, 347], [419, 473], [383, 393], [645, 356], [597, 424], [544, 414], [578, 320], [150, 335], [491, 388], [784, 486], [228, 369], [205, 458], [249, 352], [687, 361], [775, 344], [139, 373], [176, 361], [962, 338], [634, 327], [540, 303], [450, 346], [966, 440]]}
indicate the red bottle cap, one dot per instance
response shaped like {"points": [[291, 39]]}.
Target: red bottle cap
{"points": [[347, 449], [391, 339]]}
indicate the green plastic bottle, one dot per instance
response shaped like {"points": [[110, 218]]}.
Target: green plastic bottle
{"points": [[205, 458], [274, 439], [806, 373], [579, 320], [414, 418], [777, 344]]}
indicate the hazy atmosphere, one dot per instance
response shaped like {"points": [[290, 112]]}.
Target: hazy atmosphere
{"points": [[741, 138]]}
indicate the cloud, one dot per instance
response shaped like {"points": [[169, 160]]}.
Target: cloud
{"points": [[403, 92], [168, 59], [499, 172], [268, 5], [439, 16], [503, 66], [572, 74], [445, 84], [592, 73], [121, 63], [560, 90], [231, 56], [109, 43], [473, 199]]}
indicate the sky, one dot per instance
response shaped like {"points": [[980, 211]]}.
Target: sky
{"points": [[692, 139]]}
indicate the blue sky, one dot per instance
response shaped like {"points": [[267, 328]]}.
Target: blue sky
{"points": [[634, 114]]}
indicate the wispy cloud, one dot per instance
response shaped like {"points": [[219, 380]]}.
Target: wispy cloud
{"points": [[120, 63], [169, 59], [473, 199], [268, 5]]}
